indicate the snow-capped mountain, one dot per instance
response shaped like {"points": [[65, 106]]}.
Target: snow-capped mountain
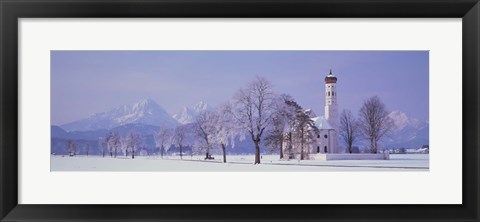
{"points": [[143, 112], [409, 132], [401, 121], [187, 115]]}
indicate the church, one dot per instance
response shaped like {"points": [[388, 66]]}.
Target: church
{"points": [[327, 126], [323, 142]]}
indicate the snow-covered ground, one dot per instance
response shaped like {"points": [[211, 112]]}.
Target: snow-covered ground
{"points": [[239, 163]]}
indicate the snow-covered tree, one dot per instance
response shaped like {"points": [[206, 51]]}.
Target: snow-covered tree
{"points": [[71, 147], [349, 129], [114, 143], [205, 130], [226, 128], [108, 141], [103, 145], [253, 110], [125, 146], [374, 121], [291, 111], [133, 142], [163, 139], [180, 138], [87, 148], [274, 136], [304, 131], [282, 121]]}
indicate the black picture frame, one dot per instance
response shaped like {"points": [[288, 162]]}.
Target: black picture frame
{"points": [[11, 11]]}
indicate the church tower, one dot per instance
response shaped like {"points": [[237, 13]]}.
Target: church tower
{"points": [[331, 108]]}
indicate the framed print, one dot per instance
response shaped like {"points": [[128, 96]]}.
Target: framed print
{"points": [[225, 110]]}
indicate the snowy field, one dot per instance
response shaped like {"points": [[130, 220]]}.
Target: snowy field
{"points": [[239, 163]]}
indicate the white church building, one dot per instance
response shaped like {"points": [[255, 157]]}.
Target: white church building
{"points": [[328, 125], [325, 145]]}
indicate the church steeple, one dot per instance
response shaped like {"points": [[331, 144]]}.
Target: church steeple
{"points": [[331, 108], [330, 78]]}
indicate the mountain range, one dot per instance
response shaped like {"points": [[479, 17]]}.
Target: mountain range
{"points": [[187, 115], [145, 111], [409, 132], [146, 117]]}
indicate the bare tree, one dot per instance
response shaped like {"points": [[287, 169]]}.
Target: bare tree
{"points": [[71, 147], [349, 129], [374, 121], [114, 143], [87, 148], [253, 109], [226, 128], [205, 131], [133, 141], [124, 146], [179, 138], [108, 142], [162, 139], [103, 145]]}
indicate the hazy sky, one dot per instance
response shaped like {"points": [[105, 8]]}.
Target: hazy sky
{"points": [[86, 82]]}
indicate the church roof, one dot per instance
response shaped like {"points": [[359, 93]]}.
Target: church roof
{"points": [[310, 113], [321, 123], [330, 78]]}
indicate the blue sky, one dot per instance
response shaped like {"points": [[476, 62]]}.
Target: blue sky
{"points": [[86, 82]]}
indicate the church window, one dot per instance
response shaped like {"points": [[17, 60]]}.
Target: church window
{"points": [[318, 149], [333, 93], [328, 93], [318, 136], [325, 149], [325, 136]]}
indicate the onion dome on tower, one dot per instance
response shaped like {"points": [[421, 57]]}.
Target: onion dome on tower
{"points": [[330, 78]]}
